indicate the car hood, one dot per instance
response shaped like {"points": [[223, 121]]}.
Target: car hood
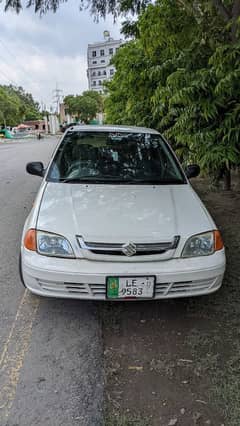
{"points": [[119, 213]]}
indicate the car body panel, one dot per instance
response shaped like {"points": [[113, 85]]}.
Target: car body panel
{"points": [[118, 213], [84, 279], [147, 212]]}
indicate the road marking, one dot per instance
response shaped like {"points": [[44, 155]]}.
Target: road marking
{"points": [[14, 351]]}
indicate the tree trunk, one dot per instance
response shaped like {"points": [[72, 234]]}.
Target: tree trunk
{"points": [[237, 186], [222, 10], [235, 17], [227, 180], [229, 13]]}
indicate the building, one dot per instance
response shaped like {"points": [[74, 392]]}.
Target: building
{"points": [[38, 125], [99, 57]]}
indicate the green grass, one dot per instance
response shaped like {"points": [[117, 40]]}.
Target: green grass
{"points": [[124, 420], [222, 369]]}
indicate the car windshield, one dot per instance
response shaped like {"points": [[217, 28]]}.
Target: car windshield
{"points": [[114, 157]]}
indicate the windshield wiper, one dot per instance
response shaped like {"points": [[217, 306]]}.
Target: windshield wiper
{"points": [[153, 181], [117, 180], [86, 179]]}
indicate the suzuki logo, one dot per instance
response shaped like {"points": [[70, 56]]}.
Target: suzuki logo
{"points": [[129, 249]]}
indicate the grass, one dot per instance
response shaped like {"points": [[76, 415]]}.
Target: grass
{"points": [[222, 369], [124, 420]]}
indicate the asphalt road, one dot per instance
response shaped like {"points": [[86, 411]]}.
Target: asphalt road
{"points": [[51, 371]]}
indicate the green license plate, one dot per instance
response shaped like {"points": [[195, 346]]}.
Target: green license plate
{"points": [[130, 287]]}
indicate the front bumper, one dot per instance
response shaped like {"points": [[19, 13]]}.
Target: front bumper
{"points": [[85, 279]]}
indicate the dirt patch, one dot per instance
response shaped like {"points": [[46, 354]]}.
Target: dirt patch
{"points": [[177, 362]]}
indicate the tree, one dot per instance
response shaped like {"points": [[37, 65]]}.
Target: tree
{"points": [[31, 108], [9, 108], [96, 96], [69, 102], [85, 106], [130, 91], [99, 8], [228, 10], [16, 105], [181, 75]]}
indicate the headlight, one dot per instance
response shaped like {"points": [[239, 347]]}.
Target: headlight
{"points": [[53, 245], [203, 244]]}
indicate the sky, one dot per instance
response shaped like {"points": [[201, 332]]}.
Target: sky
{"points": [[39, 53]]}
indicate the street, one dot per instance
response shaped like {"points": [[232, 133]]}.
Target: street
{"points": [[50, 350]]}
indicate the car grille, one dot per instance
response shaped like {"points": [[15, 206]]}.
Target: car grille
{"points": [[97, 291], [183, 287], [91, 290], [116, 249]]}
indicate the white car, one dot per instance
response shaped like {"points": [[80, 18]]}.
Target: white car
{"points": [[116, 218]]}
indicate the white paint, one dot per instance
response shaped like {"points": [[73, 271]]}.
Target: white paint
{"points": [[118, 214]]}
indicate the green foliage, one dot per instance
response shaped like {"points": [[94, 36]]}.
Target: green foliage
{"points": [[98, 8], [70, 103], [130, 90], [16, 105], [96, 96], [181, 75], [85, 106]]}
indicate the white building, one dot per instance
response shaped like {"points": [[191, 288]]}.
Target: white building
{"points": [[99, 56]]}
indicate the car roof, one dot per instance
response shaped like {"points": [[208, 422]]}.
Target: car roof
{"points": [[110, 128]]}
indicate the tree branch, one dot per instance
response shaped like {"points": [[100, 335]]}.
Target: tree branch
{"points": [[222, 10], [235, 16]]}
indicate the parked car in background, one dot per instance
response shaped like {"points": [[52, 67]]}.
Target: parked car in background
{"points": [[116, 218], [64, 127]]}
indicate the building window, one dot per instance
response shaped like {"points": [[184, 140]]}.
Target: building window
{"points": [[104, 72], [94, 53], [94, 83], [117, 49], [93, 74], [102, 52], [100, 82], [111, 51], [99, 73], [111, 71], [103, 61], [94, 62]]}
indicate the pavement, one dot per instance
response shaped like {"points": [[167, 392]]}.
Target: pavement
{"points": [[51, 370]]}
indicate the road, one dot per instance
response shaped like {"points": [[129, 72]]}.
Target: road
{"points": [[51, 370]]}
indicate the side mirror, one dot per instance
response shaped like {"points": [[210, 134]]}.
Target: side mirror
{"points": [[35, 168], [192, 170]]}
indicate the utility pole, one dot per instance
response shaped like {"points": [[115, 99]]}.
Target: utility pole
{"points": [[42, 106], [57, 97]]}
